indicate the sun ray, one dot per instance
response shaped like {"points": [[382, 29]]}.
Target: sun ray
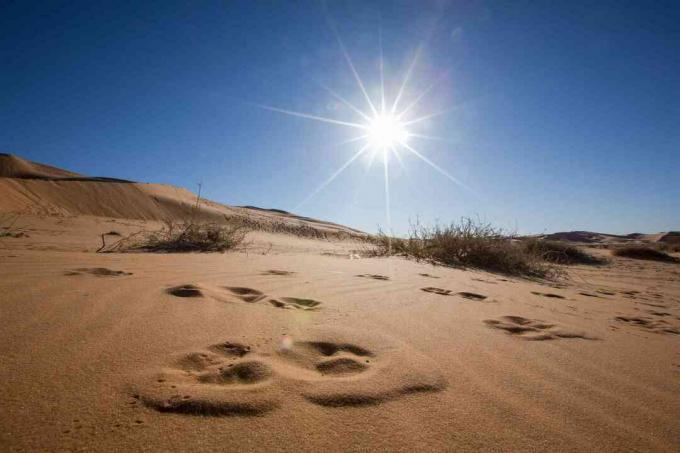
{"points": [[406, 79], [382, 73], [345, 101], [333, 176], [436, 167], [353, 69], [351, 140], [312, 117], [398, 157], [388, 216], [428, 116]]}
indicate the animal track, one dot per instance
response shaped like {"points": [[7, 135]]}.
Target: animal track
{"points": [[294, 302], [98, 271], [471, 296], [374, 276], [583, 293], [230, 378], [555, 296], [247, 294], [531, 329], [656, 326], [277, 272], [187, 290], [448, 292], [428, 275], [441, 292], [252, 295]]}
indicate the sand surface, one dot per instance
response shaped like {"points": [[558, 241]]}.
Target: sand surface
{"points": [[297, 345]]}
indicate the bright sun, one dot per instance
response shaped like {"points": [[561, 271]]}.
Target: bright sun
{"points": [[386, 131]]}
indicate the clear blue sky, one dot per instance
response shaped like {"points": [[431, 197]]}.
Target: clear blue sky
{"points": [[563, 116]]}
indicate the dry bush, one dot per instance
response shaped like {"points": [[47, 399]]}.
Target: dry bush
{"points": [[469, 243], [641, 252], [193, 237], [181, 237], [559, 252]]}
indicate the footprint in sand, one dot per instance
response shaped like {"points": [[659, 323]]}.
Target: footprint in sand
{"points": [[344, 374], [374, 276], [277, 272], [219, 381], [428, 275], [533, 329], [440, 291], [98, 271], [583, 293], [295, 302], [246, 294], [554, 296], [657, 326], [448, 292], [471, 296], [231, 378], [187, 290], [252, 295]]}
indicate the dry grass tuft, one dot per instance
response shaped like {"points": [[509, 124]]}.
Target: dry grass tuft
{"points": [[559, 252], [193, 237], [640, 252], [469, 243]]}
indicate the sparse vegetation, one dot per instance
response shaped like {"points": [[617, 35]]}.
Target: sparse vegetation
{"points": [[559, 252], [641, 252], [469, 243], [193, 237]]}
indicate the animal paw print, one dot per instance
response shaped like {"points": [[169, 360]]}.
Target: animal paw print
{"points": [[531, 329], [374, 276], [233, 379], [98, 272], [216, 382], [448, 292], [657, 326], [252, 295]]}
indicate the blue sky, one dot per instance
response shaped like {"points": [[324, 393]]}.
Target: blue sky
{"points": [[559, 117]]}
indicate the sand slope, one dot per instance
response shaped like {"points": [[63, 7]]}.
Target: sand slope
{"points": [[32, 188]]}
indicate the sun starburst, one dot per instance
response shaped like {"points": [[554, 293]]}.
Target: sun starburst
{"points": [[385, 130]]}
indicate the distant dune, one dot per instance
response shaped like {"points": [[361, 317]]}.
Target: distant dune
{"points": [[30, 187], [589, 237]]}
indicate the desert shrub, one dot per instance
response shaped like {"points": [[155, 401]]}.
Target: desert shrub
{"points": [[192, 237], [641, 252], [559, 252], [469, 243]]}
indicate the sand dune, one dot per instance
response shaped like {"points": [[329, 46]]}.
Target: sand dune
{"points": [[297, 344], [32, 188]]}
